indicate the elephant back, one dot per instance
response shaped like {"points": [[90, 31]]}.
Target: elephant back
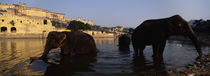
{"points": [[81, 43]]}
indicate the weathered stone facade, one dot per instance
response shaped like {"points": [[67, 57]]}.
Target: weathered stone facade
{"points": [[19, 19], [23, 24], [23, 10]]}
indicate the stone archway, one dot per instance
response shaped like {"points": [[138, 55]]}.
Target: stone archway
{"points": [[13, 30], [3, 29], [45, 22]]}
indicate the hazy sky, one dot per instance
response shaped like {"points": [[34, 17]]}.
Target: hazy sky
{"points": [[127, 13]]}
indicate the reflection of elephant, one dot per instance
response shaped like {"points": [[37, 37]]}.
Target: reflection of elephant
{"points": [[144, 68], [76, 63], [70, 42], [156, 32], [124, 42]]}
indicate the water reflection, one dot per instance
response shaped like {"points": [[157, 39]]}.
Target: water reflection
{"points": [[111, 41], [69, 65], [142, 67], [15, 53]]}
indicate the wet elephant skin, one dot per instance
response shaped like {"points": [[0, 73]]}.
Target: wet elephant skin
{"points": [[155, 32], [76, 42]]}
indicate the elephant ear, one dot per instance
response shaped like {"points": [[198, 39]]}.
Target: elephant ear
{"points": [[60, 38]]}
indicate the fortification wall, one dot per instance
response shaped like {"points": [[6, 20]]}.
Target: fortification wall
{"points": [[23, 24], [5, 6], [22, 9], [32, 11]]}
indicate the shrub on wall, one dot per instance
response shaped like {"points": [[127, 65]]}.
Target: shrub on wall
{"points": [[77, 25]]}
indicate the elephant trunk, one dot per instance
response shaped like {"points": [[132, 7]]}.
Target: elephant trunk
{"points": [[195, 41], [46, 51]]}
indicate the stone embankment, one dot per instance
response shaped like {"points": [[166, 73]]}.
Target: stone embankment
{"points": [[199, 68], [40, 36], [22, 36]]}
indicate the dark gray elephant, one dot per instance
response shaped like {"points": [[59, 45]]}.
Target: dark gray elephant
{"points": [[69, 42], [155, 32], [124, 42]]}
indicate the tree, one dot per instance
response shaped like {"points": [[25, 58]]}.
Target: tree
{"points": [[59, 24], [87, 26], [77, 25], [96, 28]]}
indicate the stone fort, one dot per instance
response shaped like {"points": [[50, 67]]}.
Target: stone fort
{"points": [[22, 19]]}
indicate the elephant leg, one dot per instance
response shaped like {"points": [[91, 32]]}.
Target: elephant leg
{"points": [[65, 58], [141, 48], [135, 47], [65, 55], [62, 51], [158, 49], [155, 51], [162, 46]]}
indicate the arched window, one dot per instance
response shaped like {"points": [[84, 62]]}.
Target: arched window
{"points": [[13, 30], [2, 20], [45, 22], [3, 29], [93, 33]]}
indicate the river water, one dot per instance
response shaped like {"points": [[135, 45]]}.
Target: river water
{"points": [[15, 54]]}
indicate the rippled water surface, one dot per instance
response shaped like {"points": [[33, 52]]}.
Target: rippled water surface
{"points": [[15, 53]]}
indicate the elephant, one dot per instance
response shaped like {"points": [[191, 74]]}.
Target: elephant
{"points": [[124, 42], [155, 32], [76, 42]]}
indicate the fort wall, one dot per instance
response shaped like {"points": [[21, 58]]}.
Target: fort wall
{"points": [[23, 10], [23, 24], [20, 21]]}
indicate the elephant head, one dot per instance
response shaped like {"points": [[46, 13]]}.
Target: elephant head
{"points": [[54, 40], [70, 42], [181, 27]]}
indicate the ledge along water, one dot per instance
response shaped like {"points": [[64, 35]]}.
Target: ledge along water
{"points": [[15, 53], [38, 36]]}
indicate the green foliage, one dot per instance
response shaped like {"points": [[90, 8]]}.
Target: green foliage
{"points": [[128, 30], [77, 25], [12, 23], [96, 28], [58, 24]]}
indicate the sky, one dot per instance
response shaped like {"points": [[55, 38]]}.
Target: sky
{"points": [[127, 13]]}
